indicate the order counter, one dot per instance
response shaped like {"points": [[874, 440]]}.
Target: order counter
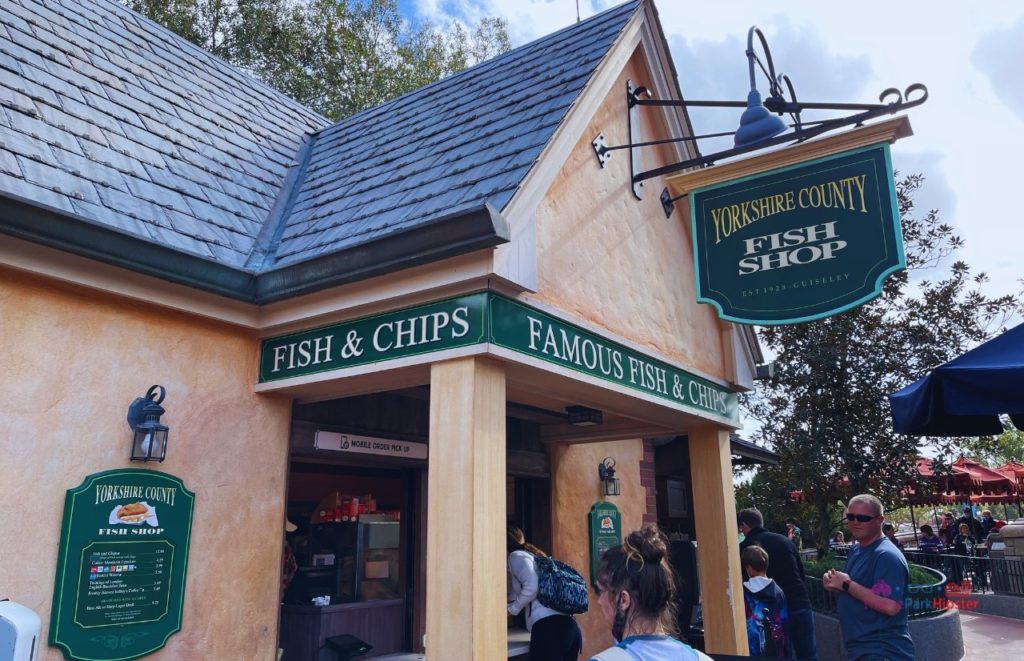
{"points": [[305, 629], [518, 647]]}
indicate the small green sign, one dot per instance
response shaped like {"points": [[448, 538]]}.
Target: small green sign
{"points": [[605, 533], [798, 243], [120, 582], [455, 322]]}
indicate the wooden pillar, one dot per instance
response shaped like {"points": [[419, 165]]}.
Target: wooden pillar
{"points": [[466, 616], [718, 553]]}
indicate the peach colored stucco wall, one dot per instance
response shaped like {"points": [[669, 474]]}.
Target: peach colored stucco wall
{"points": [[575, 488], [616, 261], [72, 362]]}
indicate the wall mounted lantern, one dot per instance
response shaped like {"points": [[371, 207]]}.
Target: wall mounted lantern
{"points": [[581, 416], [606, 471], [149, 437]]}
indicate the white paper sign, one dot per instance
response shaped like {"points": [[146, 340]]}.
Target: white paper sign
{"points": [[327, 440]]}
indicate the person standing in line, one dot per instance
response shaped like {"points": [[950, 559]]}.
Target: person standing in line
{"points": [[636, 589], [786, 569], [872, 588], [765, 608], [554, 636]]}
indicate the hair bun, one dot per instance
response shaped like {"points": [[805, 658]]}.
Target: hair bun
{"points": [[650, 542]]}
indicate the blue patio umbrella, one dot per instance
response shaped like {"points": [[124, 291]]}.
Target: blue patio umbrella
{"points": [[965, 396]]}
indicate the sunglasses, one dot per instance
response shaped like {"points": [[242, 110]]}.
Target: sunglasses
{"points": [[862, 518]]}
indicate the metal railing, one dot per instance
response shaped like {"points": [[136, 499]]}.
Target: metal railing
{"points": [[921, 600], [971, 574], [966, 574]]}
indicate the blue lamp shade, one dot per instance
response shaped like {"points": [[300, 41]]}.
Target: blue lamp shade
{"points": [[757, 123]]}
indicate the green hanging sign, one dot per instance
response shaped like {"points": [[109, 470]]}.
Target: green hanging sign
{"points": [[605, 533], [798, 243], [120, 582]]}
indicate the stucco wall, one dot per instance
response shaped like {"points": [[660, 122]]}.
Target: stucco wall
{"points": [[575, 488], [71, 363], [617, 261]]}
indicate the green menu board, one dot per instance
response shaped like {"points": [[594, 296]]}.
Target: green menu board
{"points": [[605, 532], [120, 581]]}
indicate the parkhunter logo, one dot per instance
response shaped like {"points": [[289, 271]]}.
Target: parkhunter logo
{"points": [[958, 595], [798, 243]]}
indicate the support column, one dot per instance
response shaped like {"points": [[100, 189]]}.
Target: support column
{"points": [[718, 549], [466, 616]]}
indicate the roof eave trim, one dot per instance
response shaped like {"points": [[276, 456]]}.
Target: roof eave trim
{"points": [[455, 234], [55, 228]]}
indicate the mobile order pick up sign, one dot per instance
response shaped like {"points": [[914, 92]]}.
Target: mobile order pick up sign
{"points": [[120, 581], [798, 243]]}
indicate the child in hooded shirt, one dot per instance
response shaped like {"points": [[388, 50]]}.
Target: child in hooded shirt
{"points": [[767, 616]]}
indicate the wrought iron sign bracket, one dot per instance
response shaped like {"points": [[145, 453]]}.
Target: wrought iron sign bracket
{"points": [[633, 94], [759, 128]]}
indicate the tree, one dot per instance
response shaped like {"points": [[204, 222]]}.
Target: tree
{"points": [[825, 410], [335, 56], [996, 450]]}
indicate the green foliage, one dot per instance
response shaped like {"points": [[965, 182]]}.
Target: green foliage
{"points": [[335, 56], [826, 410], [996, 450]]}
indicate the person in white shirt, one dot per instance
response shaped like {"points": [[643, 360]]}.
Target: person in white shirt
{"points": [[554, 636]]}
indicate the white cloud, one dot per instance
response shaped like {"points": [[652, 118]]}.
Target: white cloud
{"points": [[999, 55]]}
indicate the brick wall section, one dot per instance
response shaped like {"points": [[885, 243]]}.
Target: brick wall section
{"points": [[647, 482]]}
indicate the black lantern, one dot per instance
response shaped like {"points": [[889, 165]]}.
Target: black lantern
{"points": [[581, 416], [149, 438], [606, 471]]}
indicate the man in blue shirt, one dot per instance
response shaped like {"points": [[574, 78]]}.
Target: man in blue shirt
{"points": [[872, 589]]}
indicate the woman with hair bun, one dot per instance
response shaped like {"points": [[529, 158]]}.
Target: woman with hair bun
{"points": [[554, 636], [636, 589]]}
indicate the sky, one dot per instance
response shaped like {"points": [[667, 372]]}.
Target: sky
{"points": [[968, 137]]}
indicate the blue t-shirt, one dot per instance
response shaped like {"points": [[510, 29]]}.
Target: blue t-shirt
{"points": [[883, 569], [658, 648]]}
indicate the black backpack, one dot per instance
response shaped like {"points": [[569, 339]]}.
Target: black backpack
{"points": [[560, 587]]}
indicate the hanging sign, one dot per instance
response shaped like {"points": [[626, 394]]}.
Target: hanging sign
{"points": [[120, 582], [605, 533], [798, 243]]}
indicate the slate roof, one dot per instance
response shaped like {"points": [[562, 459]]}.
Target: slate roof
{"points": [[123, 142]]}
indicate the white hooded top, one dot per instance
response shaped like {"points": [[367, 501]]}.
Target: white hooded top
{"points": [[522, 589]]}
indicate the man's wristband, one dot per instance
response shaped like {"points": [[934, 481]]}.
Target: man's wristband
{"points": [[846, 586]]}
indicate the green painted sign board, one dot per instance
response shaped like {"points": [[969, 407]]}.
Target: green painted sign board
{"points": [[120, 582], [486, 317], [526, 330], [798, 243], [447, 324], [605, 525]]}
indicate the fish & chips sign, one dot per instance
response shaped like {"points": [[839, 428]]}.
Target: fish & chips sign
{"points": [[798, 243]]}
